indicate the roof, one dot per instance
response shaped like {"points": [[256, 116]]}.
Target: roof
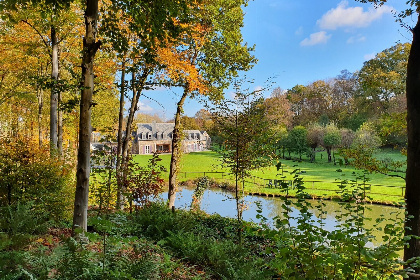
{"points": [[155, 127]]}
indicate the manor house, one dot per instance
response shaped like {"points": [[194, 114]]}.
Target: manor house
{"points": [[157, 137]]}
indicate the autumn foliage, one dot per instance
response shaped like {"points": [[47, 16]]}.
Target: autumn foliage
{"points": [[29, 174]]}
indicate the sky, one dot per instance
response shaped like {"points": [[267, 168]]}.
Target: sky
{"points": [[301, 41]]}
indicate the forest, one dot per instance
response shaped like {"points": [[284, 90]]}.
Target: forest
{"points": [[71, 68]]}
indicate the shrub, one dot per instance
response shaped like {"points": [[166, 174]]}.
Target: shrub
{"points": [[29, 174]]}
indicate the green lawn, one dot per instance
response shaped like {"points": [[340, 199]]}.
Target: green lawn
{"points": [[321, 178]]}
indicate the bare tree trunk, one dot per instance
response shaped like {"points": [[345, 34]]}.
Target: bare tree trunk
{"points": [[412, 194], [176, 150], [40, 106], [137, 89], [90, 47], [60, 128], [237, 162], [54, 93], [120, 195]]}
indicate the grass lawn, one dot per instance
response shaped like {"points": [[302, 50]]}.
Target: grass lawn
{"points": [[321, 178]]}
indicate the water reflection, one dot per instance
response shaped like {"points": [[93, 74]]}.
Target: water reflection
{"points": [[223, 203]]}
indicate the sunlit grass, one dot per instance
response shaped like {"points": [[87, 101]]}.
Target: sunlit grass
{"points": [[321, 178]]}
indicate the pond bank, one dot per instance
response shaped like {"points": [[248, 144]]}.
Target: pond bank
{"points": [[277, 192]]}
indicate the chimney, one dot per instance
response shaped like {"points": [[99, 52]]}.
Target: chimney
{"points": [[154, 127]]}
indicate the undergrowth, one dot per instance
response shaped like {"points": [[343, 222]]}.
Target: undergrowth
{"points": [[156, 243]]}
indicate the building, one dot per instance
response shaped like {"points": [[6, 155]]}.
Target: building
{"points": [[157, 137]]}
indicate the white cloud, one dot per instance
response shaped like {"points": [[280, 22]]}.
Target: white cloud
{"points": [[369, 56], [144, 107], [316, 38], [344, 16], [356, 39]]}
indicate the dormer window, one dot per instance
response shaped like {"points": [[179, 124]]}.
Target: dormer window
{"points": [[149, 136], [143, 136]]}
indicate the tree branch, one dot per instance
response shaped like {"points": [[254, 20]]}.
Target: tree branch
{"points": [[167, 84], [47, 45]]}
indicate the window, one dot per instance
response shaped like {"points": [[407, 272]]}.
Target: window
{"points": [[149, 136], [147, 149], [143, 135]]}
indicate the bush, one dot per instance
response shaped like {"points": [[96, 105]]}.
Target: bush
{"points": [[29, 174]]}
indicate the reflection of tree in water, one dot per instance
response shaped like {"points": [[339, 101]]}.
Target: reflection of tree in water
{"points": [[222, 202], [272, 207]]}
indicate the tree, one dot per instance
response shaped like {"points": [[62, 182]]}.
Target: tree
{"points": [[315, 138], [347, 137], [248, 140], [296, 97], [366, 138], [384, 76], [392, 124], [278, 109], [283, 142], [23, 70], [90, 47], [298, 140], [345, 88], [204, 120], [42, 16], [364, 143], [147, 118], [210, 55], [188, 123], [331, 139], [137, 37]]}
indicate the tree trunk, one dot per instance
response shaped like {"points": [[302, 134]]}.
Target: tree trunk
{"points": [[120, 195], [412, 194], [40, 106], [137, 89], [90, 47], [313, 154], [60, 128], [54, 93], [329, 154], [176, 149]]}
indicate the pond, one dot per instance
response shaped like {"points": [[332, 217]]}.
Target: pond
{"points": [[218, 201]]}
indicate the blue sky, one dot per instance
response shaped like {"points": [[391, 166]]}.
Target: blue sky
{"points": [[301, 41]]}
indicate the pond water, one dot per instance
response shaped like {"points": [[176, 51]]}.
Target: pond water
{"points": [[217, 201]]}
